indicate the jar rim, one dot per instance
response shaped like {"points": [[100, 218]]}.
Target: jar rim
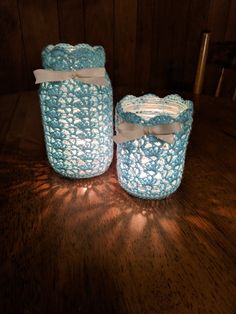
{"points": [[150, 109], [69, 48], [66, 57]]}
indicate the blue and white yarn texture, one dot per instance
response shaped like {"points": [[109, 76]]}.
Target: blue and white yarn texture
{"points": [[77, 117], [149, 167]]}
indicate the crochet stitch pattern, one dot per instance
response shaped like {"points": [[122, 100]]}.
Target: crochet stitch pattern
{"points": [[77, 117], [149, 167]]}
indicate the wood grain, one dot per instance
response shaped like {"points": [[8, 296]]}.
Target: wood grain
{"points": [[180, 31], [162, 44], [22, 127], [99, 27], [86, 246], [197, 24], [125, 42], [145, 17], [156, 41], [39, 28], [71, 21], [231, 22], [7, 109], [218, 17], [12, 58], [221, 22]]}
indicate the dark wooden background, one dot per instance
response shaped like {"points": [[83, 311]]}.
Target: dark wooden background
{"points": [[150, 44]]}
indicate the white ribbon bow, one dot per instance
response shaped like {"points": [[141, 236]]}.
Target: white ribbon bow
{"points": [[129, 131], [89, 76]]}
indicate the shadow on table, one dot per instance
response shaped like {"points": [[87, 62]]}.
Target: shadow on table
{"points": [[101, 207], [65, 239]]}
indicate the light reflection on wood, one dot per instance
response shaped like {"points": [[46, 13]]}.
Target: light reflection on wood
{"points": [[93, 228]]}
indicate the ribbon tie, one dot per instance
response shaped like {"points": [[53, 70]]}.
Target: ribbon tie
{"points": [[89, 76], [129, 131]]}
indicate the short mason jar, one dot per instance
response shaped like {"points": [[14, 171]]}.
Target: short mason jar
{"points": [[149, 166], [77, 117]]}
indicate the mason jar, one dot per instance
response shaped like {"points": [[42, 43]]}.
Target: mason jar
{"points": [[76, 111], [152, 135]]}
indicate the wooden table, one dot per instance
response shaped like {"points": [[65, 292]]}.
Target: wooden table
{"points": [[86, 246]]}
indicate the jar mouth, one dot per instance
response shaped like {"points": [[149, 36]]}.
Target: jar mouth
{"points": [[154, 108], [71, 48], [151, 110]]}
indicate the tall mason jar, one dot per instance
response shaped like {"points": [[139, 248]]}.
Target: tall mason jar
{"points": [[77, 116]]}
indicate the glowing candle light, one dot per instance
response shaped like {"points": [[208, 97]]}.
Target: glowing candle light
{"points": [[76, 114], [152, 136]]}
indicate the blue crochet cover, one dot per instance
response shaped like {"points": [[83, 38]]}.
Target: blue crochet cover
{"points": [[77, 117], [149, 167]]}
